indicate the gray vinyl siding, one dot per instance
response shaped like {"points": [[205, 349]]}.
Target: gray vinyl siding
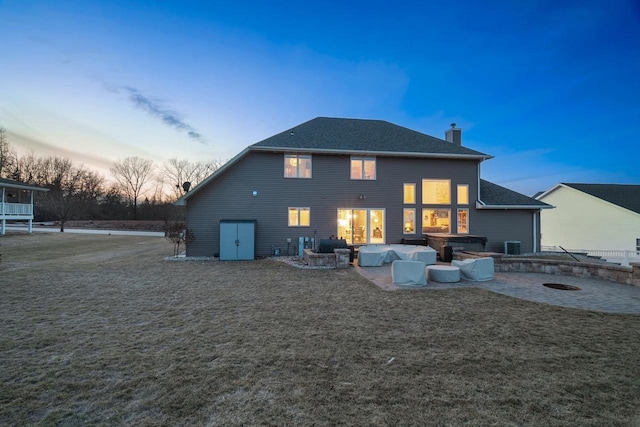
{"points": [[229, 196], [502, 225]]}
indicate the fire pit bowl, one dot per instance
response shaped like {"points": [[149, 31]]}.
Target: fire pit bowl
{"points": [[561, 286]]}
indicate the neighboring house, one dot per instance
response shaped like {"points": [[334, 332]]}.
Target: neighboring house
{"points": [[16, 202], [367, 181], [602, 217]]}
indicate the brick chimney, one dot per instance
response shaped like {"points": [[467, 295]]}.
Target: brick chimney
{"points": [[454, 135]]}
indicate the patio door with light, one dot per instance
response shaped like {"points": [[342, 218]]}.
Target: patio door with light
{"points": [[361, 226]]}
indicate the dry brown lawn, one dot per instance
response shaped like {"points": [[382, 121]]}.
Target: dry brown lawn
{"points": [[103, 330]]}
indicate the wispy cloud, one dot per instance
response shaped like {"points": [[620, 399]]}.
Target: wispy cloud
{"points": [[156, 108]]}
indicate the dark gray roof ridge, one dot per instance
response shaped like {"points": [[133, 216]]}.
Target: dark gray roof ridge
{"points": [[340, 135]]}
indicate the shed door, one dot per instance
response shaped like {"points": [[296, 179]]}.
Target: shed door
{"points": [[246, 240], [237, 241]]}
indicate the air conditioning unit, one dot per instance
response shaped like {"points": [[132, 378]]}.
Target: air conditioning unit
{"points": [[512, 247]]}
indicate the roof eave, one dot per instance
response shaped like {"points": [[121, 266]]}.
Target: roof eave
{"points": [[24, 187], [481, 205], [549, 191], [480, 157]]}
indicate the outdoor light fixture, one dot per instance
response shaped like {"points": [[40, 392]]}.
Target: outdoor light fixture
{"points": [[255, 193], [361, 196]]}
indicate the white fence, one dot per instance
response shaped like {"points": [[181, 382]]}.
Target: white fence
{"points": [[622, 257], [15, 209]]}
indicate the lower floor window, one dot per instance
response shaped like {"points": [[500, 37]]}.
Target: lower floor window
{"points": [[436, 221], [463, 221], [409, 221], [637, 245], [299, 217], [361, 226]]}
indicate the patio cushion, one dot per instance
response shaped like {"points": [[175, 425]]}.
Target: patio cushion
{"points": [[408, 272], [371, 256], [376, 255], [476, 269]]}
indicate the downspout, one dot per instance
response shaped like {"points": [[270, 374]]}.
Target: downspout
{"points": [[4, 220], [478, 180], [535, 233]]}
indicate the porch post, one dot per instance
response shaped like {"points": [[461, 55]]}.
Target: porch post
{"points": [[29, 227], [4, 221]]}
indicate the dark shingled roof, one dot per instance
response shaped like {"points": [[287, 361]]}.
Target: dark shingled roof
{"points": [[363, 136], [494, 195], [623, 195]]}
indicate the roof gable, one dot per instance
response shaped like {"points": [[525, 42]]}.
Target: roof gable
{"points": [[326, 134], [624, 195], [496, 196]]}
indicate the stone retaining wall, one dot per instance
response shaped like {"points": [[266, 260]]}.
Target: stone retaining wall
{"points": [[613, 273], [338, 259]]}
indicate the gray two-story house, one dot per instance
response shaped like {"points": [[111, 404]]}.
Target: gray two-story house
{"points": [[365, 181]]}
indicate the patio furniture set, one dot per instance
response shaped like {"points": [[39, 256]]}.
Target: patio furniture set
{"points": [[414, 265]]}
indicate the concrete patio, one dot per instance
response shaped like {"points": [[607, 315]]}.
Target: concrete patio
{"points": [[594, 294]]}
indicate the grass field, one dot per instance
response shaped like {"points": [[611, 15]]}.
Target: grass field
{"points": [[103, 330]]}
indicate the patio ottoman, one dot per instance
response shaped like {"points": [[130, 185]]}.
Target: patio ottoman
{"points": [[408, 273], [443, 273]]}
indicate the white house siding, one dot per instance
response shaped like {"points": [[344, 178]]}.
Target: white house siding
{"points": [[582, 221]]}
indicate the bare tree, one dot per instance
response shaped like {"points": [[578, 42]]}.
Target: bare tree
{"points": [[7, 155], [71, 189], [132, 175], [73, 192], [25, 168], [175, 172]]}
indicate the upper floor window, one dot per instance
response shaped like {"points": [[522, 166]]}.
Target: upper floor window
{"points": [[409, 191], [436, 192], [363, 168], [299, 217], [463, 194], [297, 166]]}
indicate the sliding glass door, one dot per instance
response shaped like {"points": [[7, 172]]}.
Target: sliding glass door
{"points": [[361, 226]]}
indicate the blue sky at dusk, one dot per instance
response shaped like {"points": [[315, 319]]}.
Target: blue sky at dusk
{"points": [[550, 88]]}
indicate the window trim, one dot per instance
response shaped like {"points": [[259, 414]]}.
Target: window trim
{"points": [[458, 193], [412, 220], [458, 212], [434, 208], [404, 194], [288, 156], [362, 160], [299, 211], [435, 202]]}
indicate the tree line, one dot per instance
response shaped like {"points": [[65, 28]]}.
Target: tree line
{"points": [[138, 189]]}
